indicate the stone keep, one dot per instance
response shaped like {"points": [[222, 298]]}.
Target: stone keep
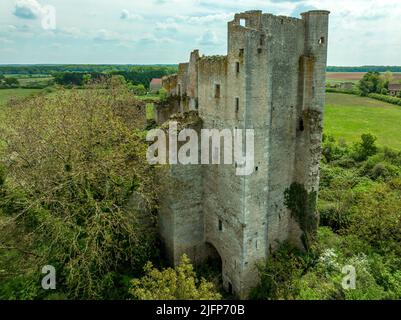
{"points": [[273, 81]]}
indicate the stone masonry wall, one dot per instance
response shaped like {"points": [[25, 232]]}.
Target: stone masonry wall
{"points": [[272, 81]]}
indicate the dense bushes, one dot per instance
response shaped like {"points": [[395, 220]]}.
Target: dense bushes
{"points": [[138, 77], [78, 194], [180, 283], [385, 98], [360, 217], [346, 91], [8, 82]]}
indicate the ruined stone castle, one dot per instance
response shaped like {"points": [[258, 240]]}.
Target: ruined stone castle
{"points": [[273, 81]]}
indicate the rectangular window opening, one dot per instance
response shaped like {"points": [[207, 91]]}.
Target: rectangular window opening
{"points": [[236, 105], [242, 22], [220, 225], [217, 91], [237, 66]]}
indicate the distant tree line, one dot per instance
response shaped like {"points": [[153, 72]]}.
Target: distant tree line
{"points": [[76, 78], [85, 68], [364, 69], [135, 76], [89, 68]]}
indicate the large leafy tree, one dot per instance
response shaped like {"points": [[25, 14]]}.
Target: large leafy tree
{"points": [[372, 82], [78, 192]]}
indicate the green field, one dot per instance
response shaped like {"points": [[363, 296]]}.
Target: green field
{"points": [[7, 94], [349, 116]]}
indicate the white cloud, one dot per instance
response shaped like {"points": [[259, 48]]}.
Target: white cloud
{"points": [[208, 38], [73, 32], [5, 40], [28, 9], [169, 26], [107, 35], [204, 19], [126, 15], [361, 31]]}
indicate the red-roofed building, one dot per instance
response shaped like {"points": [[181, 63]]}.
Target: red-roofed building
{"points": [[155, 85]]}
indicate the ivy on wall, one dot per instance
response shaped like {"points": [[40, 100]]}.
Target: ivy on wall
{"points": [[303, 209]]}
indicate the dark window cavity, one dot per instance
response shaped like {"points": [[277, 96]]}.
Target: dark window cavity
{"points": [[217, 91]]}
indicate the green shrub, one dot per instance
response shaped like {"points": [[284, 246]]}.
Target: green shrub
{"points": [[332, 150], [172, 284], [365, 148], [138, 90], [353, 91], [377, 217], [385, 98], [279, 275]]}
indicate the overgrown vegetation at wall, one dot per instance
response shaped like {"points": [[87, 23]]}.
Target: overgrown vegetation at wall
{"points": [[76, 193], [303, 209], [360, 226]]}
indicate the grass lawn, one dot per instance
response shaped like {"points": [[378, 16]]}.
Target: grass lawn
{"points": [[348, 116], [7, 94]]}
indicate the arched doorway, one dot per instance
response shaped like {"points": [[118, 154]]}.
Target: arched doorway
{"points": [[212, 267]]}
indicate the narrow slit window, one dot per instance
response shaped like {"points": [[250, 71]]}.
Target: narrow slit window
{"points": [[321, 40], [301, 125], [217, 91], [237, 67], [220, 225], [236, 105]]}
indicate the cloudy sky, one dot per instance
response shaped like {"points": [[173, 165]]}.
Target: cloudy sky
{"points": [[362, 32]]}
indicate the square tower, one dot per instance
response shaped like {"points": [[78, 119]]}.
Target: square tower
{"points": [[272, 81]]}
